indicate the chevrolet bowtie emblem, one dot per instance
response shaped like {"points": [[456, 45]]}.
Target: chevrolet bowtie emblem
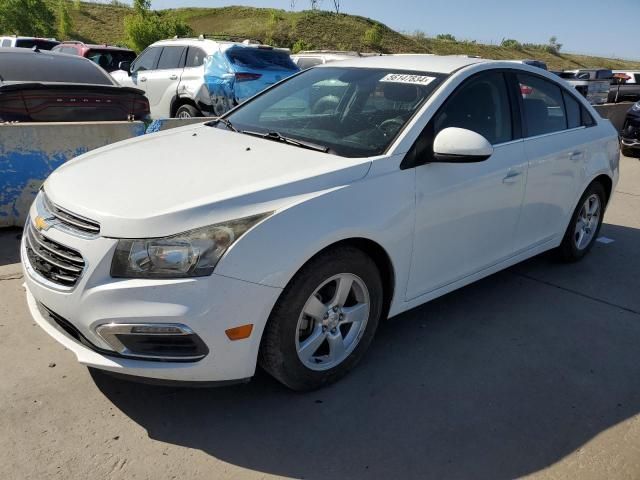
{"points": [[41, 223]]}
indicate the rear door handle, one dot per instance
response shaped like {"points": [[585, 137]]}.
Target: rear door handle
{"points": [[512, 176], [173, 77]]}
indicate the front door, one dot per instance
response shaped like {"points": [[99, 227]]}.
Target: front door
{"points": [[467, 214]]}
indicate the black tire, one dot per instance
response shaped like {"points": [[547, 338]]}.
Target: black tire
{"points": [[568, 250], [278, 354], [630, 152], [188, 111]]}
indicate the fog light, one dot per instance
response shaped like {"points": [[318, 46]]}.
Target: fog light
{"points": [[154, 341]]}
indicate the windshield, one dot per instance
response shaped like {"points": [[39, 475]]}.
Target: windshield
{"points": [[354, 112]]}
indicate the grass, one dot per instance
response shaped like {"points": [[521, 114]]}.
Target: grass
{"points": [[103, 23]]}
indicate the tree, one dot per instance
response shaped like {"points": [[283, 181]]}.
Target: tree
{"points": [[27, 17], [447, 37], [373, 37], [315, 4], [145, 26], [293, 4], [336, 5], [511, 43], [553, 46], [65, 22]]}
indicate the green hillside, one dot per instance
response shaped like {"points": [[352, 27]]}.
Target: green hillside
{"points": [[103, 23]]}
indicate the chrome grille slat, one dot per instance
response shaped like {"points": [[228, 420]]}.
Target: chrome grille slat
{"points": [[70, 219], [56, 262], [42, 243]]}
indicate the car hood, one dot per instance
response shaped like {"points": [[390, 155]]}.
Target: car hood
{"points": [[173, 181]]}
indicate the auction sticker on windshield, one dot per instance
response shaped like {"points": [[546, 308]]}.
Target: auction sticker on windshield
{"points": [[405, 78]]}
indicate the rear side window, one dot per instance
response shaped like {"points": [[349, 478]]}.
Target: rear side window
{"points": [[308, 62], [481, 105], [250, 57], [171, 57], [147, 59], [543, 105], [50, 67], [195, 57]]}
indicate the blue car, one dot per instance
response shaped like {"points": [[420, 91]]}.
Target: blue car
{"points": [[237, 72]]}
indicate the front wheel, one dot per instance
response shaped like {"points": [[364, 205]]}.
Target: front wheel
{"points": [[324, 320], [585, 224]]}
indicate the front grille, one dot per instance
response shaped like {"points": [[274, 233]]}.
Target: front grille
{"points": [[52, 260], [71, 220]]}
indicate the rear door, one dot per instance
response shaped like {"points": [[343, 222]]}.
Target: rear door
{"points": [[557, 148], [192, 83], [162, 82]]}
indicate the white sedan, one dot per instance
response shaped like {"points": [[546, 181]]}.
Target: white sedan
{"points": [[282, 234]]}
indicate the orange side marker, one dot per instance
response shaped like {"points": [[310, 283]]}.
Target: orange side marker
{"points": [[239, 333]]}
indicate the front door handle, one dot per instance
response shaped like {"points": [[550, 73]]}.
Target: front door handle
{"points": [[173, 77], [512, 176], [143, 79]]}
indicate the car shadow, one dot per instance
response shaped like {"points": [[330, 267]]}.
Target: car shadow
{"points": [[497, 380], [10, 245]]}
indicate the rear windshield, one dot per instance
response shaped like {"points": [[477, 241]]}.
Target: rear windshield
{"points": [[250, 57], [50, 67], [33, 42], [110, 59]]}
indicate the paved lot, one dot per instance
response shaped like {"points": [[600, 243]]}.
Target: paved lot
{"points": [[533, 371]]}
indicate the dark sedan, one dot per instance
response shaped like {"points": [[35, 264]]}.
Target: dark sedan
{"points": [[39, 86]]}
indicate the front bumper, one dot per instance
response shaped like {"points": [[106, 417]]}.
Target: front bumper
{"points": [[207, 305], [630, 134]]}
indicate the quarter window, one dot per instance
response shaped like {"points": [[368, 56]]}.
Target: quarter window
{"points": [[171, 57], [574, 119], [481, 105], [6, 43], [147, 60], [543, 105]]}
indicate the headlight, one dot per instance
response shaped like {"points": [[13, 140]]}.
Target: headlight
{"points": [[190, 254], [636, 107]]}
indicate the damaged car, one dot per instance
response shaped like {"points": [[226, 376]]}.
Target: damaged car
{"points": [[195, 77]]}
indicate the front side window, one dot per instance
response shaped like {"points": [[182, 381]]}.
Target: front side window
{"points": [[543, 105], [171, 57], [481, 105], [355, 112], [147, 60]]}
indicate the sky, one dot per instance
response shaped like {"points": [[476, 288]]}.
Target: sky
{"points": [[598, 27]]}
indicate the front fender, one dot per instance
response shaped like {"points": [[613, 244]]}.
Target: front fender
{"points": [[380, 209]]}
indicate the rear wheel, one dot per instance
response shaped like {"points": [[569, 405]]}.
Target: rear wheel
{"points": [[188, 111], [324, 320], [585, 224]]}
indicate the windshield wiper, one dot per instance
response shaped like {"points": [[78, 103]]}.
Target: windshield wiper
{"points": [[224, 121], [288, 140]]}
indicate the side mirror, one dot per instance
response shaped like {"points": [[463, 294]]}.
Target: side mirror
{"points": [[126, 66], [459, 145]]}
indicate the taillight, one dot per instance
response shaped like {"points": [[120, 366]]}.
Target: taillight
{"points": [[247, 77]]}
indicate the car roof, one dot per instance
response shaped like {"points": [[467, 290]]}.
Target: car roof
{"points": [[416, 62], [94, 46]]}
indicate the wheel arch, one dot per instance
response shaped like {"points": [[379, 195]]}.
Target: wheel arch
{"points": [[177, 102], [607, 183]]}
